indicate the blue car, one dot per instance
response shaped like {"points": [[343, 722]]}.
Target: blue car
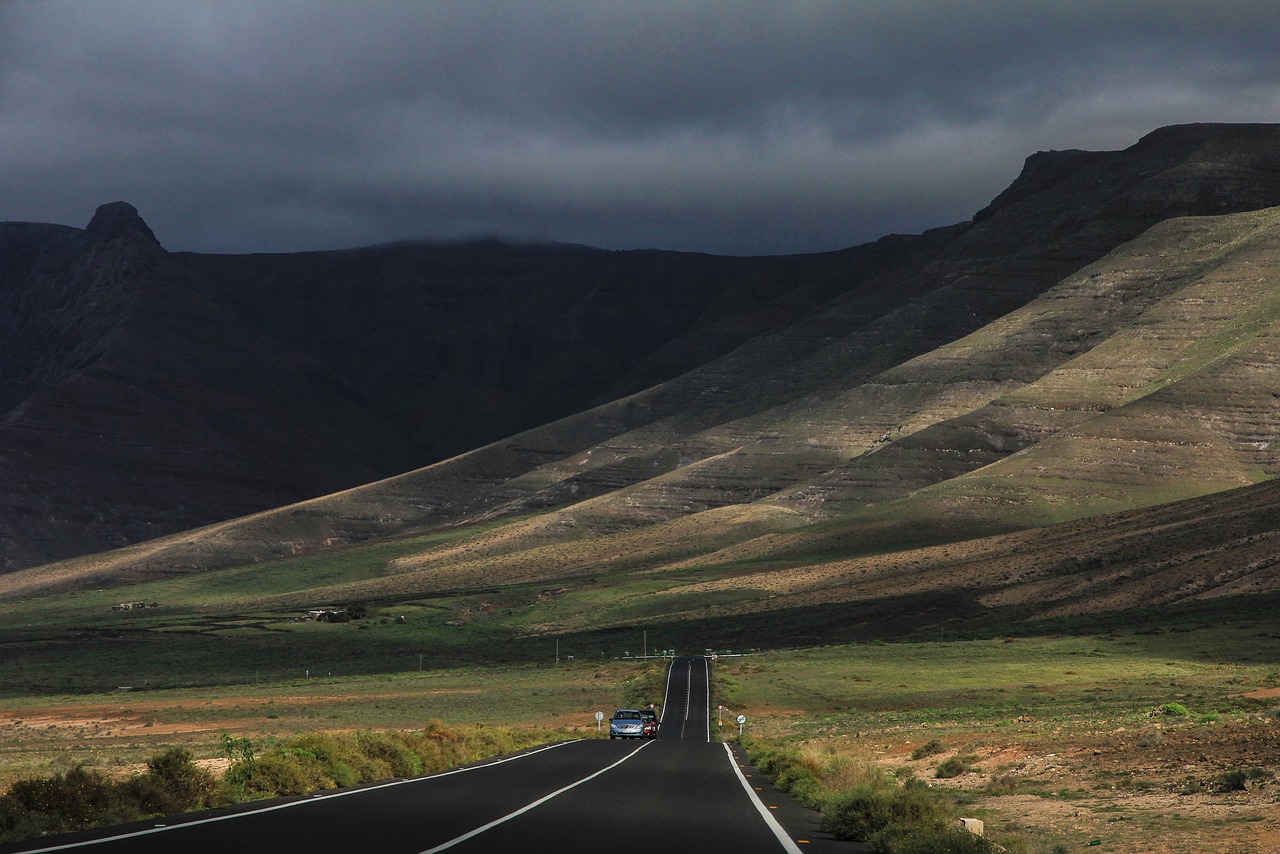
{"points": [[626, 723]]}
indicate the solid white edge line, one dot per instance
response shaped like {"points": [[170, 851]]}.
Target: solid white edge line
{"points": [[539, 802], [309, 800], [788, 844]]}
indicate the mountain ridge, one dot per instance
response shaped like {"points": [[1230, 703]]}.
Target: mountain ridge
{"points": [[704, 433]]}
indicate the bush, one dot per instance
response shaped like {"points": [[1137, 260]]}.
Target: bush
{"points": [[1176, 710], [954, 767], [932, 747], [277, 773], [60, 803], [860, 813], [336, 761], [1151, 738], [1239, 779], [390, 752], [1004, 784], [792, 771], [82, 798], [172, 784], [928, 839]]}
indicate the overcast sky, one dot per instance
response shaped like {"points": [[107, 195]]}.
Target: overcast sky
{"points": [[732, 126]]}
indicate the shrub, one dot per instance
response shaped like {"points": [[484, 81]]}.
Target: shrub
{"points": [[792, 771], [337, 761], [172, 784], [932, 747], [390, 752], [278, 773], [1151, 738], [59, 803], [1174, 710], [1005, 784], [859, 813], [954, 767], [928, 839], [1239, 779]]}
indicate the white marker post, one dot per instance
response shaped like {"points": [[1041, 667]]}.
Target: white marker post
{"points": [[742, 719], [599, 718]]}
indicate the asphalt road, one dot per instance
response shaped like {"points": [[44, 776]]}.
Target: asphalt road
{"points": [[679, 792]]}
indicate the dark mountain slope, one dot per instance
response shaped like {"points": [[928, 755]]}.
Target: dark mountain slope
{"points": [[468, 343], [778, 412], [209, 387], [135, 406]]}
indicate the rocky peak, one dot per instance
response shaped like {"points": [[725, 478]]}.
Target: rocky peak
{"points": [[119, 220]]}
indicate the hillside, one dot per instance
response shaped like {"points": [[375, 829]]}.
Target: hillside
{"points": [[846, 456], [146, 392]]}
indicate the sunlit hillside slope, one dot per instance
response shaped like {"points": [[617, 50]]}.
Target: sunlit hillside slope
{"points": [[1144, 378]]}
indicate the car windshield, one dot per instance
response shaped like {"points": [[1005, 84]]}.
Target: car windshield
{"points": [[626, 715]]}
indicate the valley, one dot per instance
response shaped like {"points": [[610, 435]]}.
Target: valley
{"points": [[1008, 485]]}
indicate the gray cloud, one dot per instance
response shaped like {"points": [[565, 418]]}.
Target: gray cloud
{"points": [[730, 126]]}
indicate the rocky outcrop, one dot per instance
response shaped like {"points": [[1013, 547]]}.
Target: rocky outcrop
{"points": [[119, 221]]}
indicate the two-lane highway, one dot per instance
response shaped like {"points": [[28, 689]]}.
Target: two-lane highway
{"points": [[679, 792], [686, 709]]}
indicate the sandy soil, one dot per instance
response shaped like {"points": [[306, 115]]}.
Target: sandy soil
{"points": [[139, 718], [1156, 790]]}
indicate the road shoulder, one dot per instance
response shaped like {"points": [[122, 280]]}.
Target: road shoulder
{"points": [[802, 824]]}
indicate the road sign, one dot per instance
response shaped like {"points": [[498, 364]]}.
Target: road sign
{"points": [[742, 719], [599, 718]]}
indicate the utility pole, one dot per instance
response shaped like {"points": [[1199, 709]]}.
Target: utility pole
{"points": [[646, 643]]}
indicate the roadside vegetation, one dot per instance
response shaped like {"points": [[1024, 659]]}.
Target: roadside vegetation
{"points": [[862, 803], [1151, 741], [173, 782]]}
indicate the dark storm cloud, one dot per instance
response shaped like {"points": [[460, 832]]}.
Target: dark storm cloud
{"points": [[728, 126]]}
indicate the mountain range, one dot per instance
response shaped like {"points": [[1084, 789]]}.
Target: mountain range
{"points": [[1066, 403]]}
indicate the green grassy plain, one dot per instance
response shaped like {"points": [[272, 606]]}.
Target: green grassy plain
{"points": [[1069, 681]]}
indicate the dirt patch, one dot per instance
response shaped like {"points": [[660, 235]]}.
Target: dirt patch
{"points": [[1262, 694], [1188, 787]]}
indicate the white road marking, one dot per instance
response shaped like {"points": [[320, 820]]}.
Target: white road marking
{"points": [[706, 667], [313, 799], [539, 802], [666, 698], [784, 838], [688, 693]]}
